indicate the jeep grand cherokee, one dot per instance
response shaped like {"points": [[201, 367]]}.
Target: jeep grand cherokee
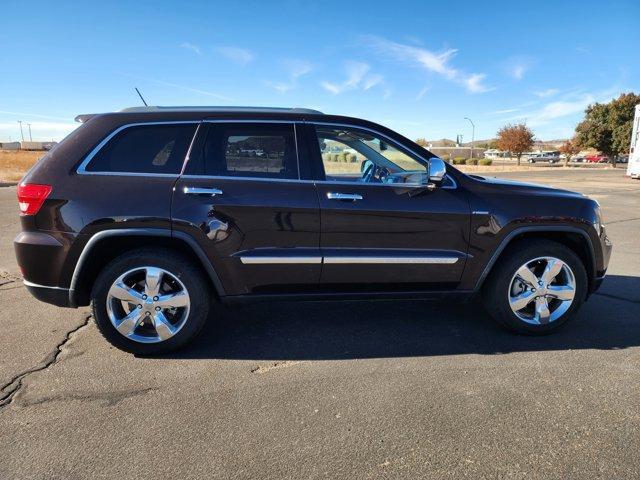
{"points": [[153, 215]]}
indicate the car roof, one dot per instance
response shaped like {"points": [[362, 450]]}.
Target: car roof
{"points": [[206, 109]]}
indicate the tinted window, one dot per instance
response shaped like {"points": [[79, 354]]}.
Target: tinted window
{"points": [[145, 149], [247, 150]]}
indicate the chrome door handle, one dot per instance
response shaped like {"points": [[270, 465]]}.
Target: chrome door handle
{"points": [[209, 192], [344, 196]]}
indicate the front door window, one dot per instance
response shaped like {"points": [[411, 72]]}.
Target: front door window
{"points": [[355, 155]]}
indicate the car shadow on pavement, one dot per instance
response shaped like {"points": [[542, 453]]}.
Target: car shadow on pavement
{"points": [[372, 329]]}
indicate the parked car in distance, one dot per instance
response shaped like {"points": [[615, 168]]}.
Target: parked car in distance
{"points": [[156, 215], [541, 157], [597, 159]]}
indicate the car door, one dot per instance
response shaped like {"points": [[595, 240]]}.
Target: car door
{"points": [[242, 199], [385, 232]]}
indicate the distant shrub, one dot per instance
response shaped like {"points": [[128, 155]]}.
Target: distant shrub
{"points": [[459, 160], [326, 157], [471, 161], [485, 161], [353, 158]]}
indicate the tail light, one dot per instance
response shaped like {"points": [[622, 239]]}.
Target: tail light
{"points": [[31, 197]]}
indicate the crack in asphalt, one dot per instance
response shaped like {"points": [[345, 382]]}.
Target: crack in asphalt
{"points": [[9, 390]]}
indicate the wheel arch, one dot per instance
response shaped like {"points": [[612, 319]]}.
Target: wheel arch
{"points": [[573, 238], [106, 245]]}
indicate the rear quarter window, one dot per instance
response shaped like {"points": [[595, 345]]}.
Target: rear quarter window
{"points": [[145, 149]]}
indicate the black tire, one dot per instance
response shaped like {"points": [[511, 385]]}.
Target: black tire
{"points": [[496, 288], [177, 264]]}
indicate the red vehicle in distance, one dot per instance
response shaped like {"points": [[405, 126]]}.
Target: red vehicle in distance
{"points": [[596, 159]]}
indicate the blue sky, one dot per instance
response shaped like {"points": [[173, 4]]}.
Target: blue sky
{"points": [[417, 67]]}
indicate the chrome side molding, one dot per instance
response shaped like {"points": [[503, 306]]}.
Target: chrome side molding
{"points": [[336, 260], [280, 260], [391, 260]]}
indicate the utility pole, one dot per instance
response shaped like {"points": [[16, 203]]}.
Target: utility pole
{"points": [[30, 138], [473, 133], [21, 134]]}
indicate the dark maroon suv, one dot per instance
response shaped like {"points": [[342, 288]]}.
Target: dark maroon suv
{"points": [[154, 215]]}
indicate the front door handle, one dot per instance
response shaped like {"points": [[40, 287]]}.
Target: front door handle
{"points": [[352, 197], [208, 192]]}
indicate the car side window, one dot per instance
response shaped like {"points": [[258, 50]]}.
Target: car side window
{"points": [[351, 154], [247, 150], [145, 149]]}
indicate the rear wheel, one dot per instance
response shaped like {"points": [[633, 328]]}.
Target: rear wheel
{"points": [[150, 301], [536, 288]]}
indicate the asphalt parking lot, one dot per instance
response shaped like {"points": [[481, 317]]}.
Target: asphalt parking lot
{"points": [[333, 390]]}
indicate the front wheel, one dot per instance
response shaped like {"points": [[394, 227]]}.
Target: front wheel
{"points": [[536, 288], [150, 301]]}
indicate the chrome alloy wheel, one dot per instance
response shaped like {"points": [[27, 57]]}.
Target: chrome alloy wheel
{"points": [[542, 290], [148, 304]]}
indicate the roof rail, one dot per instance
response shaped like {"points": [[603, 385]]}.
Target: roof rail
{"points": [[204, 108]]}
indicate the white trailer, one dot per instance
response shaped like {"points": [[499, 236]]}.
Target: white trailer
{"points": [[633, 168]]}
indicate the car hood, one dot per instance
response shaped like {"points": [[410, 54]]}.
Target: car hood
{"points": [[525, 186]]}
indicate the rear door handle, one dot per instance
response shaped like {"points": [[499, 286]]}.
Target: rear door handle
{"points": [[344, 196], [208, 192]]}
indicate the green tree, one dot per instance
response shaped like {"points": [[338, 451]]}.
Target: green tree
{"points": [[516, 139], [607, 126]]}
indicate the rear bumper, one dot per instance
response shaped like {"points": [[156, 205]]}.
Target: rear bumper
{"points": [[53, 295], [41, 256]]}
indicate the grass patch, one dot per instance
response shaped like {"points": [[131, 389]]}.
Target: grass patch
{"points": [[14, 164]]}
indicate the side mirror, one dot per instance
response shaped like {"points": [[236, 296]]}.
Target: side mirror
{"points": [[437, 170]]}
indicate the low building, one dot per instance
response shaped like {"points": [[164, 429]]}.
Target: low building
{"points": [[495, 153], [10, 146]]}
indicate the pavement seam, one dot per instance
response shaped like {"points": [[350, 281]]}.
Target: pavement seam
{"points": [[616, 297], [622, 221], [9, 390]]}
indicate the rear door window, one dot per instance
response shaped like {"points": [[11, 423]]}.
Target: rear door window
{"points": [[145, 149], [262, 150]]}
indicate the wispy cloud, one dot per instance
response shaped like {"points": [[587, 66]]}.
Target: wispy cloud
{"points": [[190, 46], [181, 87], [422, 93], [34, 115], [503, 112], [516, 67], [356, 77], [295, 70], [549, 92], [569, 105], [560, 109], [439, 63], [371, 81], [238, 55]]}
